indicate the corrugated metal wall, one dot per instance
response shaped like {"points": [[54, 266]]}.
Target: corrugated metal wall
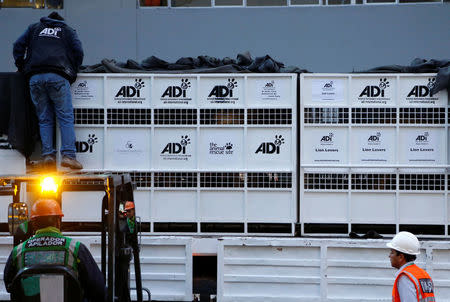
{"points": [[166, 265], [276, 269], [318, 270]]}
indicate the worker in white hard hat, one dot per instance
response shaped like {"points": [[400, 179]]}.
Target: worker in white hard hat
{"points": [[412, 284]]}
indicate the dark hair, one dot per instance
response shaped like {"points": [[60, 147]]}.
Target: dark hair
{"points": [[55, 16], [408, 257], [46, 221]]}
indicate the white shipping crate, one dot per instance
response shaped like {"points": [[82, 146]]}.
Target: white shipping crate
{"points": [[391, 148], [202, 148], [13, 162]]}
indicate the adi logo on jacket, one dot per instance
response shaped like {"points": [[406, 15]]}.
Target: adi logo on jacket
{"points": [[50, 32]]}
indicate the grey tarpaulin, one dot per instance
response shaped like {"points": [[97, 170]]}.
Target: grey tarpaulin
{"points": [[200, 64], [17, 114], [441, 67]]}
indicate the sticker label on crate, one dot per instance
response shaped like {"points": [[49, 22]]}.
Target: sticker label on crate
{"points": [[269, 91], [128, 92], [221, 148], [174, 91], [326, 145], [89, 147], [222, 91], [269, 148], [174, 148], [87, 91], [418, 91], [373, 146], [422, 145], [327, 90], [128, 148], [373, 91]]}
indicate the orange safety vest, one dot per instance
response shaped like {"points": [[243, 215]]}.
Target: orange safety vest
{"points": [[422, 281]]}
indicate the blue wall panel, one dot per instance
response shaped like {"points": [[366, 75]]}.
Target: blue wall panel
{"points": [[320, 39]]}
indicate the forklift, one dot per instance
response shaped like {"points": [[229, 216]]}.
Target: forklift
{"points": [[116, 249]]}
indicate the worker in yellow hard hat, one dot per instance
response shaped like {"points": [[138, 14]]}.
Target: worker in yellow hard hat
{"points": [[48, 246]]}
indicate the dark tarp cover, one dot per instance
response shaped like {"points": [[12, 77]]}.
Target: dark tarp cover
{"points": [[441, 67], [200, 64], [18, 119], [17, 115]]}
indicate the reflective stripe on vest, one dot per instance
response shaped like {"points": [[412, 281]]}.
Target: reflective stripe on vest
{"points": [[421, 280], [55, 249]]}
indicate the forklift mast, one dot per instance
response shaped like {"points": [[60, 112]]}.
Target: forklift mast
{"points": [[118, 189]]}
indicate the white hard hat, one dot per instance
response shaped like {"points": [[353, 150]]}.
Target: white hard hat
{"points": [[405, 242]]}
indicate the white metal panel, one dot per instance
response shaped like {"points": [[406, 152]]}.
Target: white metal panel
{"points": [[255, 273], [128, 92], [174, 148], [222, 206], [324, 207], [325, 146], [325, 89], [4, 202], [221, 148], [373, 208], [422, 146], [142, 204], [373, 146], [369, 90], [90, 146], [167, 206], [87, 91], [6, 246], [127, 150], [415, 91], [448, 209], [269, 206], [269, 91], [441, 268], [166, 267], [13, 163], [268, 269], [174, 91], [269, 148], [418, 208], [357, 272], [82, 206], [222, 91]]}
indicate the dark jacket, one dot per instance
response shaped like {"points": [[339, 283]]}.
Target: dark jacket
{"points": [[49, 46], [90, 276]]}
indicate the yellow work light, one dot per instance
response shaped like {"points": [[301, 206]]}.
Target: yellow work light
{"points": [[49, 185]]}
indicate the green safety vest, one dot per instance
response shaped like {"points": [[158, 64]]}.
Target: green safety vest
{"points": [[131, 224], [48, 246]]}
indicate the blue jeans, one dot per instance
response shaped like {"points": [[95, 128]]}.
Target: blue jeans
{"points": [[51, 96]]}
